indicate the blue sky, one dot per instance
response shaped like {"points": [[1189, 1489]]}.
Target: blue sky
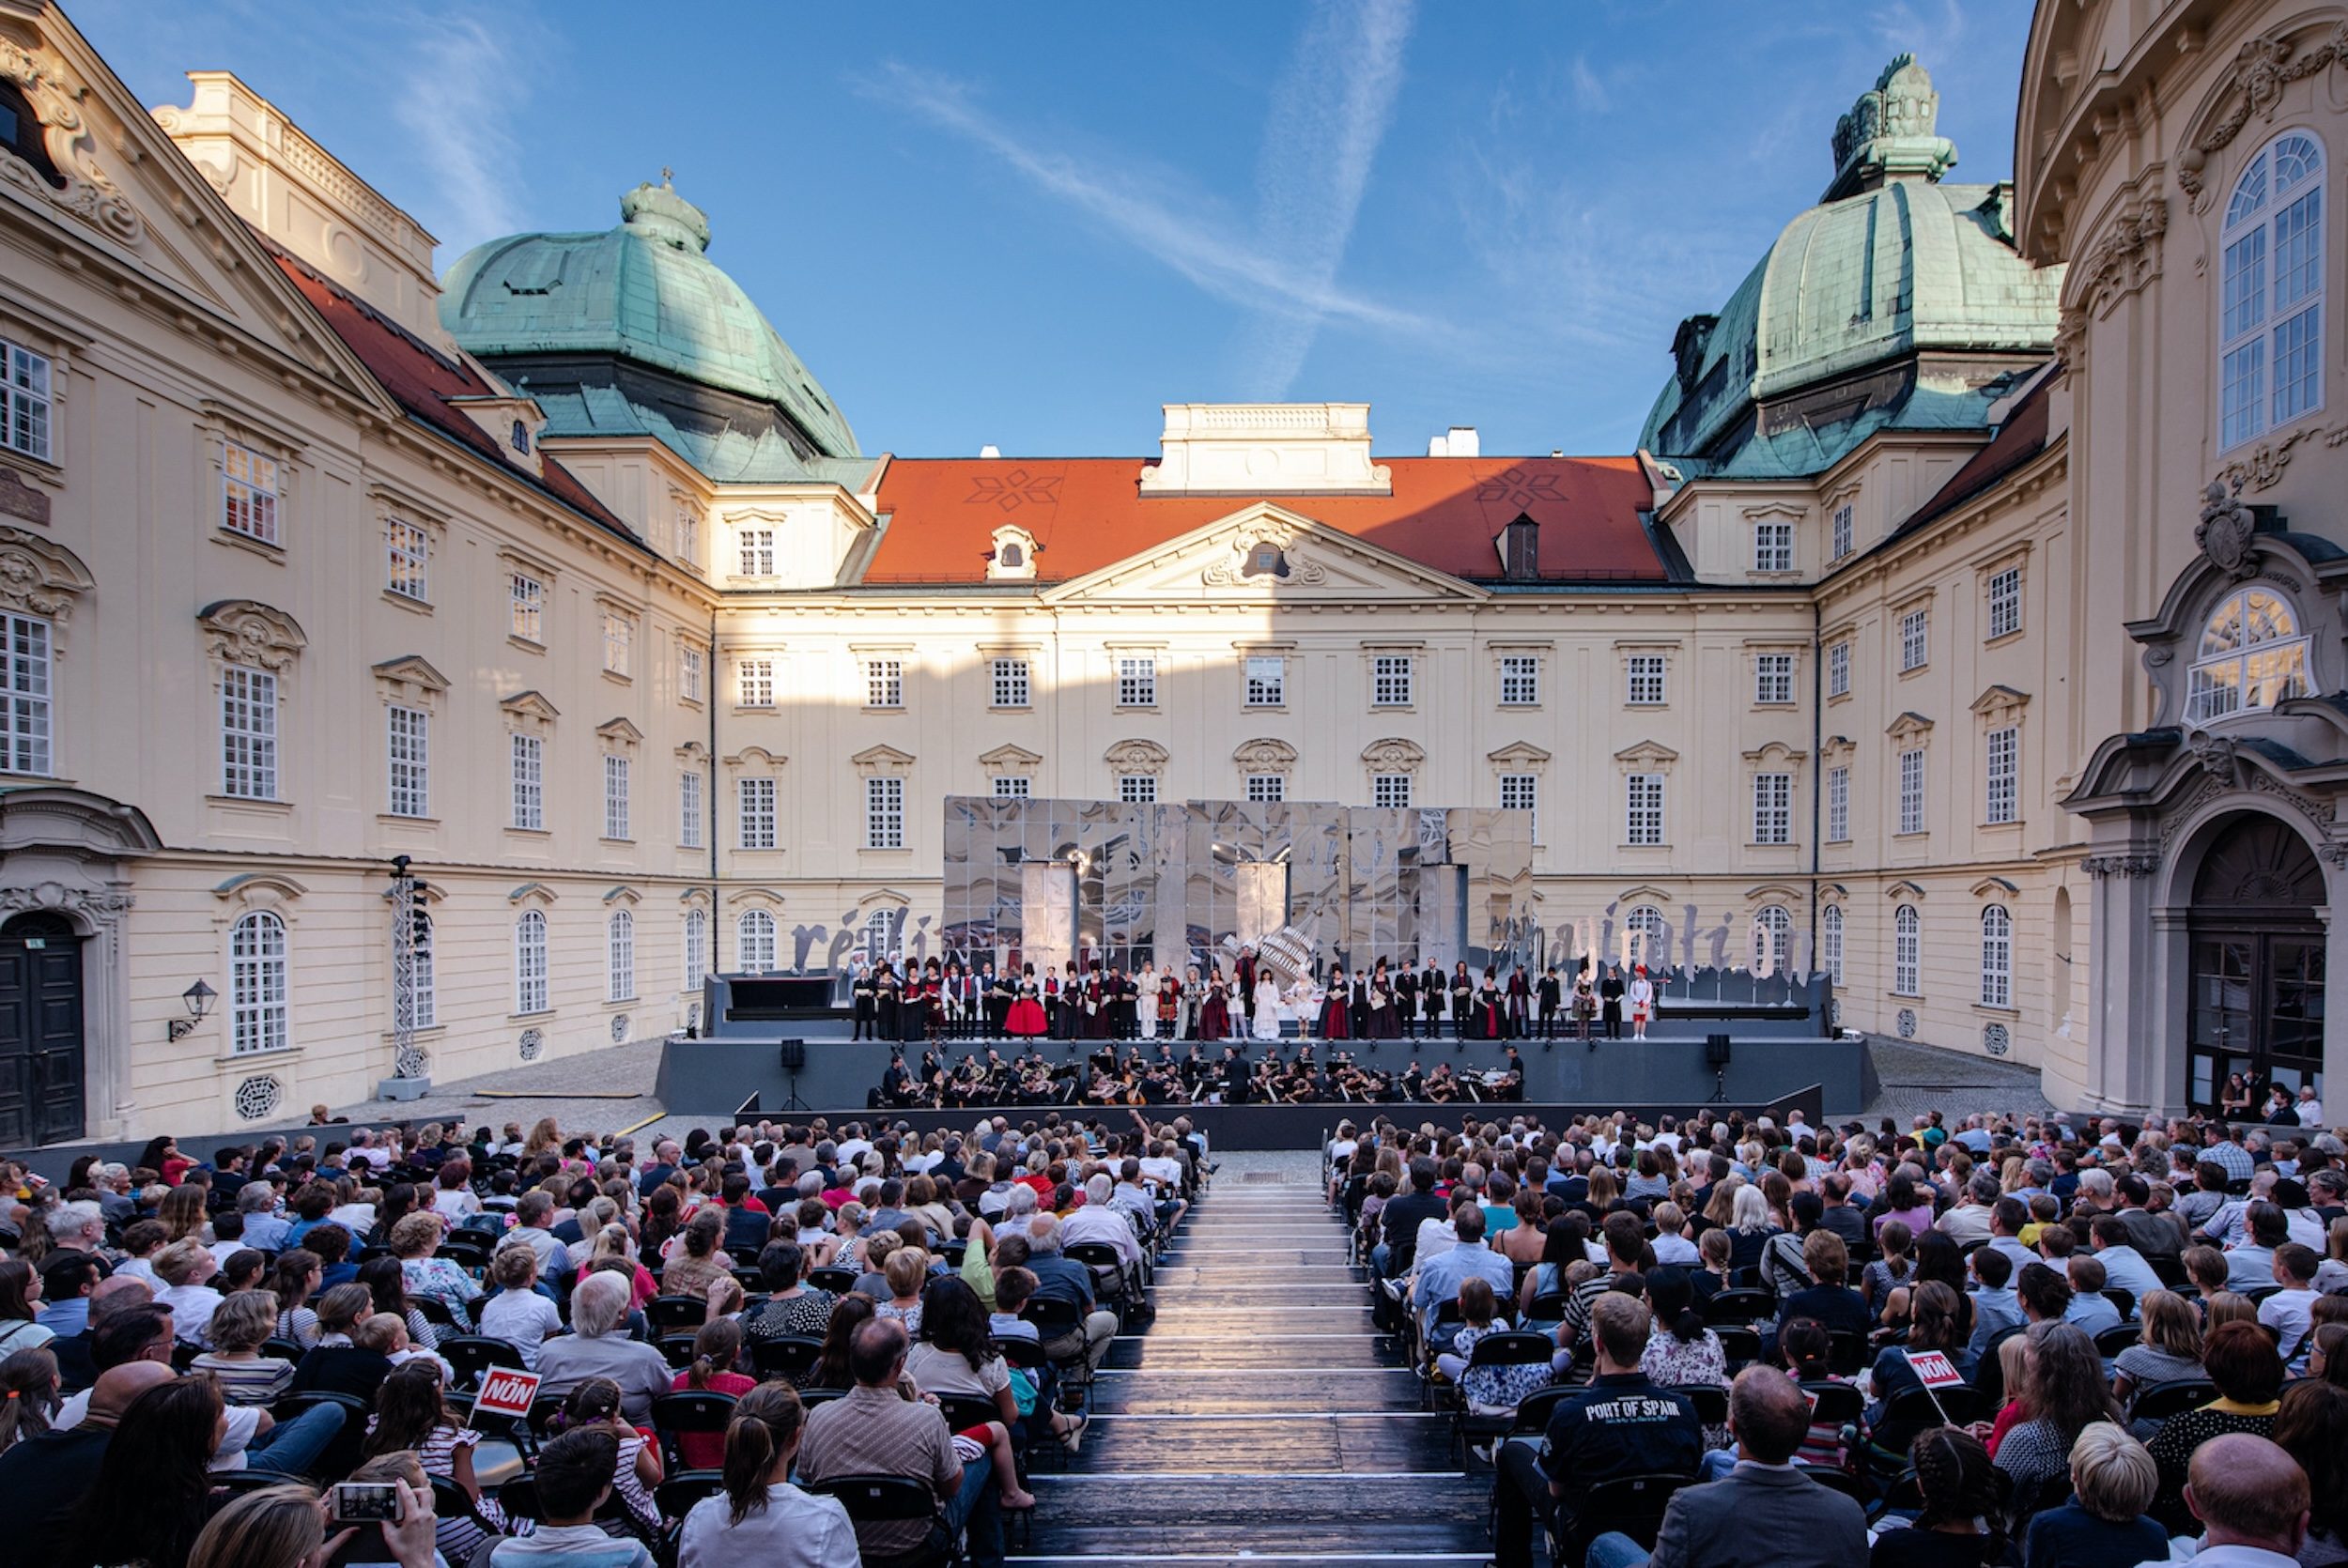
{"points": [[1031, 225]]}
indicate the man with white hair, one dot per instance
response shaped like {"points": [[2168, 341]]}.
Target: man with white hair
{"points": [[1057, 1278], [1097, 1220], [79, 1227], [598, 1347]]}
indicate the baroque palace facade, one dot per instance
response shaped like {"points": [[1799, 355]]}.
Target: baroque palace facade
{"points": [[1967, 624]]}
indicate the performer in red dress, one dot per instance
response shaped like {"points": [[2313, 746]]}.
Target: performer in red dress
{"points": [[1026, 1018], [1337, 1007]]}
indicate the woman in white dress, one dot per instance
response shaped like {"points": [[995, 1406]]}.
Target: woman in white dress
{"points": [[1267, 1005], [1146, 1004]]}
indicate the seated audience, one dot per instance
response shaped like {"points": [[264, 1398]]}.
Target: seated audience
{"points": [[760, 1516], [2104, 1523], [598, 1347], [2242, 1361]]}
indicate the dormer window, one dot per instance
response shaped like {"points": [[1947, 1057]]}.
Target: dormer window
{"points": [[520, 438], [1013, 557], [1265, 559], [19, 133]]}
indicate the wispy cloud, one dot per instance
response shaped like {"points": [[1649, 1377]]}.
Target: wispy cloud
{"points": [[1589, 93], [1282, 267], [456, 101]]}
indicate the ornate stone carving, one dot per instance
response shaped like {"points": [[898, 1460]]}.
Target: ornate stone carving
{"points": [[2124, 260], [1393, 755], [38, 577], [244, 631], [2263, 67], [1264, 756], [1232, 570], [2263, 465], [2217, 756], [2225, 528], [1136, 756], [95, 905], [2101, 866], [90, 193]]}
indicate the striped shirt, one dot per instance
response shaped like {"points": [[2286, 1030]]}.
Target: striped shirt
{"points": [[242, 1383]]}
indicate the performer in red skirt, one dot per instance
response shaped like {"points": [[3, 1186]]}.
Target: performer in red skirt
{"points": [[1026, 1018], [1337, 1007]]}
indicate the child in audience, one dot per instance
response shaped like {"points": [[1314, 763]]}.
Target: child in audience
{"points": [[239, 1327], [573, 1475], [2113, 1480], [1891, 1269], [716, 1348], [2044, 1209], [595, 1406], [1487, 1390], [517, 1313], [413, 1414]]}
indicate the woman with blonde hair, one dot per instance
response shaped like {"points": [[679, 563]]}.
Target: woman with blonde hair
{"points": [[544, 1138], [2112, 1481], [283, 1526], [907, 1271], [2169, 1347], [614, 1243]]}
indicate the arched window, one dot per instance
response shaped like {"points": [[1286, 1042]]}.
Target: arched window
{"points": [[256, 984], [620, 962], [695, 949], [1996, 956], [1907, 952], [754, 942], [1011, 557], [529, 962], [880, 930], [1830, 928], [1644, 937], [1773, 939], [2251, 657], [2271, 291]]}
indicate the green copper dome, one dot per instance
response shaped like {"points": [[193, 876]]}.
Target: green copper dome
{"points": [[643, 292], [1893, 263]]}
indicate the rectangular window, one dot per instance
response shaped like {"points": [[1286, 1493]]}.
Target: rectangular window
{"points": [[688, 810], [758, 683], [530, 783], [1643, 808], [689, 672], [757, 552], [24, 403], [1137, 788], [884, 683], [1915, 639], [620, 966], [2005, 602], [1774, 547], [1011, 785], [2298, 345], [248, 498], [619, 642], [1521, 791], [615, 822], [1646, 681], [1838, 669], [1846, 531], [530, 963], [1011, 687], [406, 551], [1267, 682], [1138, 681], [696, 952], [688, 535], [1772, 679], [1391, 790], [754, 812], [885, 813], [526, 600], [1520, 680], [409, 747], [24, 690], [248, 733], [1773, 808], [1911, 792], [2239, 379], [1267, 785], [1838, 806], [1390, 681], [2005, 755]]}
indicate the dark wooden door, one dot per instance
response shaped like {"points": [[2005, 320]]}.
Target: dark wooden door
{"points": [[40, 1030], [2258, 951]]}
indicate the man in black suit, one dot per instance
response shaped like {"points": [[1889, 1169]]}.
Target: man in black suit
{"points": [[1610, 989], [1406, 1000], [1621, 1425], [1766, 1512]]}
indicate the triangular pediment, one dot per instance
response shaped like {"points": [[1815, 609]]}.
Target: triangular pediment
{"points": [[138, 213], [1010, 756], [1223, 563], [412, 669]]}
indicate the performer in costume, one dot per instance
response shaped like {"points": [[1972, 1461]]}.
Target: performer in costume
{"points": [[1266, 1011], [1026, 1017], [887, 1001], [932, 1011], [953, 1000], [1641, 994], [1336, 1008], [1384, 1024], [1463, 998], [1406, 1000], [1430, 999], [1166, 1003], [1520, 1000], [1584, 1008], [1215, 1013], [867, 1011], [1193, 992], [1145, 989], [1489, 1022], [1610, 1000], [1551, 993]]}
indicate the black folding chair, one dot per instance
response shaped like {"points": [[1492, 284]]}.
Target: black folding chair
{"points": [[1511, 1348], [792, 1357], [895, 1499], [1633, 1504], [474, 1354], [1739, 1307], [691, 1411], [1741, 1346], [2174, 1398], [341, 1455], [1710, 1400], [839, 1282], [2111, 1341], [671, 1315], [1845, 1352], [677, 1348], [466, 1249]]}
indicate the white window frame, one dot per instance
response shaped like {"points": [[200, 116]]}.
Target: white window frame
{"points": [[1907, 951], [619, 983], [880, 931], [615, 797], [27, 696], [2267, 654], [526, 608], [1831, 941], [248, 733], [2002, 753], [1137, 681], [1390, 679], [758, 551], [1137, 788], [1838, 668], [1013, 681], [28, 405], [885, 812], [754, 942], [2271, 240], [754, 812], [407, 560], [1773, 940], [1996, 956], [1772, 807], [423, 985], [1012, 786], [884, 683], [1838, 803], [1265, 681], [619, 642], [689, 809], [1915, 638], [1646, 934], [259, 1014], [528, 756], [531, 994], [1846, 531], [407, 753], [694, 941], [1265, 788], [1520, 680], [1521, 791], [1643, 809], [249, 493], [1772, 680], [757, 679], [2005, 602], [1773, 544], [1646, 681], [1390, 791], [689, 672], [1912, 781]]}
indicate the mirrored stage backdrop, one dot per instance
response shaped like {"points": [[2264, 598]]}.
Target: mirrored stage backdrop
{"points": [[1123, 883]]}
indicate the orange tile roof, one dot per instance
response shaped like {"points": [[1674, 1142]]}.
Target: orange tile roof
{"points": [[1087, 513]]}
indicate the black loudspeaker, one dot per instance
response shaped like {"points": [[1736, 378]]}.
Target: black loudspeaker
{"points": [[795, 1055], [1715, 1050]]}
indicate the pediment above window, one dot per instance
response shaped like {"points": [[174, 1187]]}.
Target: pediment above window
{"points": [[1999, 704], [1648, 757], [1393, 755], [1909, 729]]}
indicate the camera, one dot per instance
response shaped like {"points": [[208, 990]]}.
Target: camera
{"points": [[366, 1502]]}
